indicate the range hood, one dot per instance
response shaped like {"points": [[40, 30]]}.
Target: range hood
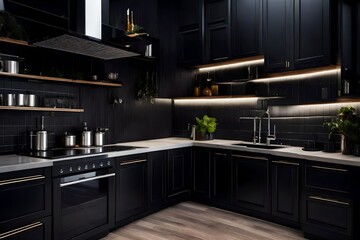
{"points": [[83, 32]]}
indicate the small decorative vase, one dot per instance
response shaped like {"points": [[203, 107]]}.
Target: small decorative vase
{"points": [[206, 92], [346, 145]]}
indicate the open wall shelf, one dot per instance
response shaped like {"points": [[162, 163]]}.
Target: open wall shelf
{"points": [[42, 109], [56, 79]]}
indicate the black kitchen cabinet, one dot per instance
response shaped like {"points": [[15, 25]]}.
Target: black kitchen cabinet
{"points": [[246, 28], [201, 174], [131, 186], [35, 185], [178, 173], [39, 229], [25, 200], [296, 34], [217, 30], [190, 39], [157, 178], [251, 182], [221, 176], [285, 189], [328, 201]]}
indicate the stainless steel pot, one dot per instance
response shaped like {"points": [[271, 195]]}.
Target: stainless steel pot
{"points": [[69, 140], [41, 140], [11, 66], [100, 136], [86, 137]]}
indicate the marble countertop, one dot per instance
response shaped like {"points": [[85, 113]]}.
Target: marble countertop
{"points": [[15, 162]]}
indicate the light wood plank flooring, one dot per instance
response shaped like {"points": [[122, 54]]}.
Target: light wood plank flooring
{"points": [[193, 221]]}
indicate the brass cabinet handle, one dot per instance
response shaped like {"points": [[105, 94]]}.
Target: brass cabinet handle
{"points": [[251, 157], [21, 179], [328, 168], [287, 163], [133, 162], [87, 180], [220, 154], [328, 200], [20, 230]]}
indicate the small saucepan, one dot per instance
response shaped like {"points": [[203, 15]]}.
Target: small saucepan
{"points": [[69, 140]]}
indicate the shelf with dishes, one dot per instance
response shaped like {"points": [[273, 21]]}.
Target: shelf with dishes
{"points": [[57, 79], [42, 109]]}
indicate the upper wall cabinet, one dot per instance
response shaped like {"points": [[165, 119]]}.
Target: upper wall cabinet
{"points": [[246, 28], [190, 39], [217, 30], [296, 34]]}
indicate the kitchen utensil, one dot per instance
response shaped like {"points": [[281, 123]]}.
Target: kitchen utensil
{"points": [[21, 99], [86, 136], [11, 66], [94, 77], [10, 99], [40, 138], [99, 136], [31, 100], [112, 76], [69, 140]]}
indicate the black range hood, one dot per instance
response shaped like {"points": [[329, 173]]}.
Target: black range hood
{"points": [[67, 33]]}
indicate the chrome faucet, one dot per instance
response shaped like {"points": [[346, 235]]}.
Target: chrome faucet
{"points": [[269, 137], [254, 134]]}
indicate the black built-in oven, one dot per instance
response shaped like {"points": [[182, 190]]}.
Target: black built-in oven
{"points": [[83, 198]]}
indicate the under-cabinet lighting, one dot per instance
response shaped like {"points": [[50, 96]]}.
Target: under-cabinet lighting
{"points": [[217, 101], [299, 76], [232, 65]]}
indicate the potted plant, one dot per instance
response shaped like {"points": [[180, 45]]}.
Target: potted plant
{"points": [[205, 128], [347, 126]]}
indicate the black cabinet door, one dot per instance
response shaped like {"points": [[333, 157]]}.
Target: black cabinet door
{"points": [[285, 189], [25, 195], [190, 39], [217, 30], [312, 33], [251, 182], [178, 173], [39, 229], [221, 176], [277, 34], [246, 27], [330, 217], [201, 174], [131, 187], [157, 180]]}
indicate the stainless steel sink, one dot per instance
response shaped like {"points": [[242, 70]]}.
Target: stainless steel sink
{"points": [[263, 146]]}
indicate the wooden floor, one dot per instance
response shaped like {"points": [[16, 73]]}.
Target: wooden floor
{"points": [[192, 221]]}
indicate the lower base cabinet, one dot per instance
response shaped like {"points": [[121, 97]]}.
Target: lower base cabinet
{"points": [[157, 178], [131, 186], [251, 182], [178, 173], [285, 188], [38, 229], [221, 177], [327, 216]]}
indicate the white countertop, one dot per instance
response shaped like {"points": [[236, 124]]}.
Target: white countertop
{"points": [[14, 162]]}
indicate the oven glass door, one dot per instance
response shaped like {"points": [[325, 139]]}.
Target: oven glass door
{"points": [[84, 202]]}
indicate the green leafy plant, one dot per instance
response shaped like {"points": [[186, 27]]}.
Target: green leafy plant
{"points": [[345, 124], [348, 110], [206, 124]]}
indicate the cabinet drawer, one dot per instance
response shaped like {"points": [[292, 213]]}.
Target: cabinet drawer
{"points": [[335, 179], [25, 195], [38, 229], [328, 213]]}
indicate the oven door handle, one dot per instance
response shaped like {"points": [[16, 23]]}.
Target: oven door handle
{"points": [[87, 180]]}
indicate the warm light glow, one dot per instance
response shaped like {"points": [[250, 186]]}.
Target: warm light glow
{"points": [[325, 109], [217, 101], [299, 76], [232, 65]]}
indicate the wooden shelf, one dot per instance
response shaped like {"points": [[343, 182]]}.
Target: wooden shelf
{"points": [[225, 97], [233, 61], [42, 109], [14, 41], [55, 79]]}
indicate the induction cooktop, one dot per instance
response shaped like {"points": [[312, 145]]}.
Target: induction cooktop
{"points": [[55, 153]]}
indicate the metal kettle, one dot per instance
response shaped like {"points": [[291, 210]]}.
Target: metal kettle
{"points": [[39, 139], [100, 136], [86, 137]]}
